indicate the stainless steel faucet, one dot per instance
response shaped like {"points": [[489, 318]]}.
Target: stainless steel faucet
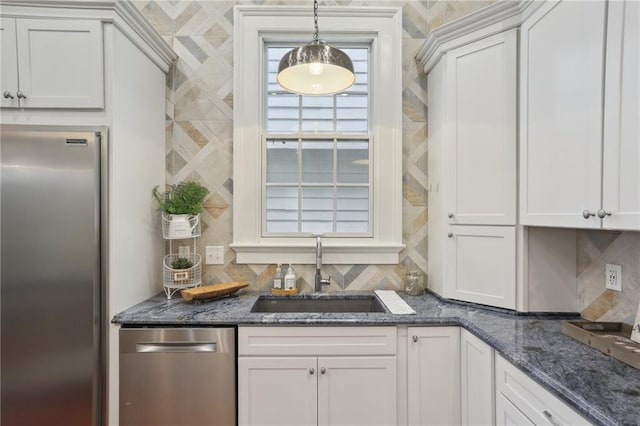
{"points": [[319, 280]]}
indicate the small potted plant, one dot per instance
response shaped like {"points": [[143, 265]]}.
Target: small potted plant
{"points": [[181, 204], [181, 264]]}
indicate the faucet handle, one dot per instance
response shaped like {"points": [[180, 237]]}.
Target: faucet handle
{"points": [[326, 281]]}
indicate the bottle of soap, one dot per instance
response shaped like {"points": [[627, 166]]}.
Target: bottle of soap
{"points": [[277, 279], [290, 279]]}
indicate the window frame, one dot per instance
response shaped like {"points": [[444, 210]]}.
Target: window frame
{"points": [[382, 28]]}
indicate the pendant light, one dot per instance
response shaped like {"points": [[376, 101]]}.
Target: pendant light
{"points": [[316, 68]]}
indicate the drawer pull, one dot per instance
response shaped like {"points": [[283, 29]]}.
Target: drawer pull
{"points": [[549, 417], [312, 370], [323, 370], [172, 347], [415, 339]]}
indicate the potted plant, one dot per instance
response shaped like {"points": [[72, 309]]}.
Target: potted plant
{"points": [[183, 265], [182, 204]]}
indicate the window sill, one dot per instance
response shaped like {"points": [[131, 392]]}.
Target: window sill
{"points": [[380, 254]]}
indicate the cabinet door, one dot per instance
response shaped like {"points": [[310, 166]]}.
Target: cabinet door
{"points": [[8, 62], [277, 391], [621, 174], [437, 222], [477, 380], [561, 96], [481, 139], [481, 265], [357, 391], [60, 63], [433, 375], [508, 415]]}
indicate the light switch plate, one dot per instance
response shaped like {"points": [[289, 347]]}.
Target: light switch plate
{"points": [[214, 255]]}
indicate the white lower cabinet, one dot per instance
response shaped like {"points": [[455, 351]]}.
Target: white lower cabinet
{"points": [[277, 391], [288, 376], [476, 380], [527, 402], [433, 376]]}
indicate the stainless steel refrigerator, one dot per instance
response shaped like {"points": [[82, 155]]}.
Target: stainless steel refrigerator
{"points": [[50, 276]]}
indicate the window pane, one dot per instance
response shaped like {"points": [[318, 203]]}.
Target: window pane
{"points": [[353, 209], [282, 161], [282, 209], [353, 161], [283, 112], [317, 161], [317, 209]]}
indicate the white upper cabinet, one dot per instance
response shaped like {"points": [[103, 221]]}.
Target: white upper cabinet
{"points": [[480, 149], [52, 63], [8, 65], [621, 163], [579, 115], [481, 265]]}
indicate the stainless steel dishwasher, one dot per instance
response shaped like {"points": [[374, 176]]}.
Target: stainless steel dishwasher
{"points": [[178, 376]]}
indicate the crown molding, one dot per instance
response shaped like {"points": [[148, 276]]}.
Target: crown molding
{"points": [[122, 13], [323, 11], [495, 18]]}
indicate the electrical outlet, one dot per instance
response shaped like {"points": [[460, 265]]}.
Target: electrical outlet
{"points": [[613, 277], [184, 251], [214, 255]]}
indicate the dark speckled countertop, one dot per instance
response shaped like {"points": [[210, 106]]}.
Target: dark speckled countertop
{"points": [[602, 389]]}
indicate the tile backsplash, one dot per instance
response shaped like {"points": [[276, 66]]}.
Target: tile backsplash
{"points": [[199, 129], [595, 250], [199, 146]]}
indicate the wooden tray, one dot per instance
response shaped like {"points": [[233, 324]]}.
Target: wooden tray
{"points": [[212, 291], [281, 292], [611, 338]]}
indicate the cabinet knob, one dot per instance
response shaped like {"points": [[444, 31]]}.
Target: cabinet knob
{"points": [[587, 214], [415, 339], [323, 370], [20, 95], [312, 371], [450, 234], [450, 215], [602, 213], [7, 95]]}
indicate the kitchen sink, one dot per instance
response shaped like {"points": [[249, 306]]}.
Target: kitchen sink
{"points": [[273, 304]]}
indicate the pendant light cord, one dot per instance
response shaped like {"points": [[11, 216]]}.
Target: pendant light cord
{"points": [[316, 34]]}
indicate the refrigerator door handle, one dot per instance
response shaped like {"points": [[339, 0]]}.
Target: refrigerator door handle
{"points": [[180, 347]]}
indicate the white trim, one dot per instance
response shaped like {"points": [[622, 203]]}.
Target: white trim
{"points": [[254, 24], [122, 13], [495, 18], [300, 254]]}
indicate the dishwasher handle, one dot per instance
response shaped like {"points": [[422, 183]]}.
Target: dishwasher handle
{"points": [[176, 347]]}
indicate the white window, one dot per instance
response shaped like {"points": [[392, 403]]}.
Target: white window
{"points": [[316, 151], [309, 164]]}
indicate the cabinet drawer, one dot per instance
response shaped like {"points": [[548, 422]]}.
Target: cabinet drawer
{"points": [[536, 403], [317, 341]]}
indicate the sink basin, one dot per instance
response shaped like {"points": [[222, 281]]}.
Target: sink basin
{"points": [[269, 304]]}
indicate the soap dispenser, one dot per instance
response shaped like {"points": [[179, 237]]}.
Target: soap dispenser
{"points": [[277, 279], [290, 279]]}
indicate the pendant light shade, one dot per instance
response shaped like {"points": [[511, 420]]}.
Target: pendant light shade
{"points": [[316, 68]]}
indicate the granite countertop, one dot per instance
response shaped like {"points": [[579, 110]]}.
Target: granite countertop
{"points": [[604, 390]]}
